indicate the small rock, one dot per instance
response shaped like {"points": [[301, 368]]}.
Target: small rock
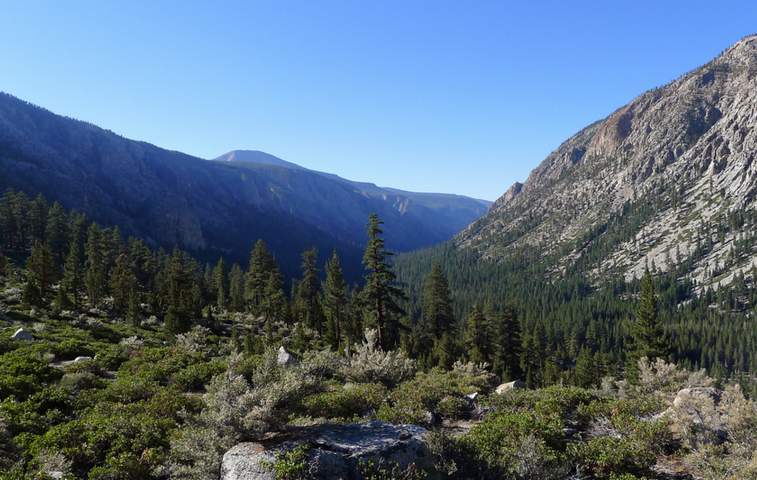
{"points": [[696, 394], [569, 431], [431, 418], [82, 358], [248, 461], [506, 387], [284, 357], [700, 406], [22, 334], [472, 396]]}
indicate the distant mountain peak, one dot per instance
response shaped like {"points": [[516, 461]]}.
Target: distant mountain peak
{"points": [[256, 157]]}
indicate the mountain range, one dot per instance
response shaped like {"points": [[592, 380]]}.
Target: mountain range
{"points": [[217, 207], [666, 182]]}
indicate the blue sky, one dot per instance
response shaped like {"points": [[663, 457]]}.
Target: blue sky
{"points": [[452, 96]]}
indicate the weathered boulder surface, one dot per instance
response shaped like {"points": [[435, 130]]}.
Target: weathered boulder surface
{"points": [[285, 358], [699, 414], [248, 461], [335, 451], [22, 334], [506, 387], [696, 395]]}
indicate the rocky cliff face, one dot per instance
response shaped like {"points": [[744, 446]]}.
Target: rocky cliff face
{"points": [[674, 170]]}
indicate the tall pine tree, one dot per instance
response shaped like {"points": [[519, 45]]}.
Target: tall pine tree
{"points": [[219, 281], [308, 292], [648, 338], [476, 339], [258, 275], [436, 314], [380, 294], [335, 302]]}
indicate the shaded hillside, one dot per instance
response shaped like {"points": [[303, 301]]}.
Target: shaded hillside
{"points": [[209, 208], [413, 220]]}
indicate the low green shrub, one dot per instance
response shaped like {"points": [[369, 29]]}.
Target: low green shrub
{"points": [[350, 401], [414, 400], [602, 457], [23, 372], [290, 464], [194, 377], [78, 381], [507, 444], [453, 407], [71, 348], [40, 411]]}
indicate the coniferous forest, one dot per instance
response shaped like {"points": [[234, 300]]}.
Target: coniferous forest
{"points": [[148, 364]]}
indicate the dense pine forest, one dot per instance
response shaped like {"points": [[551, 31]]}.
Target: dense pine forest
{"points": [[565, 316], [120, 361], [504, 314]]}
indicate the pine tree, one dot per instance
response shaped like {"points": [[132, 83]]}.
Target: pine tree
{"points": [[73, 267], [353, 324], [236, 288], [380, 295], [335, 302], [308, 291], [219, 280], [94, 277], [257, 277], [61, 301], [182, 292], [476, 337], [585, 374], [648, 337], [436, 312], [56, 232], [445, 350], [274, 305], [40, 273], [133, 314], [37, 218], [534, 356], [507, 346], [122, 283]]}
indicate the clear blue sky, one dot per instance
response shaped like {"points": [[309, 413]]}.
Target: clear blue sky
{"points": [[452, 96]]}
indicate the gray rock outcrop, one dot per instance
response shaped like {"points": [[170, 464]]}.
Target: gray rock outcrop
{"points": [[22, 334], [506, 387], [334, 451], [700, 415], [285, 358]]}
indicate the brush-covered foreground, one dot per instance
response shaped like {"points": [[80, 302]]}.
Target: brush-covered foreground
{"points": [[143, 404]]}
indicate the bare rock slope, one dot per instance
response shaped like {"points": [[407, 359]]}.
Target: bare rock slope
{"points": [[666, 181]]}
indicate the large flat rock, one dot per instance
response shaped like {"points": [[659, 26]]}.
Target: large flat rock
{"points": [[334, 451]]}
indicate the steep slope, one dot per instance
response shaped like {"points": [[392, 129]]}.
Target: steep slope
{"points": [[413, 219], [166, 197], [668, 181], [209, 208]]}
